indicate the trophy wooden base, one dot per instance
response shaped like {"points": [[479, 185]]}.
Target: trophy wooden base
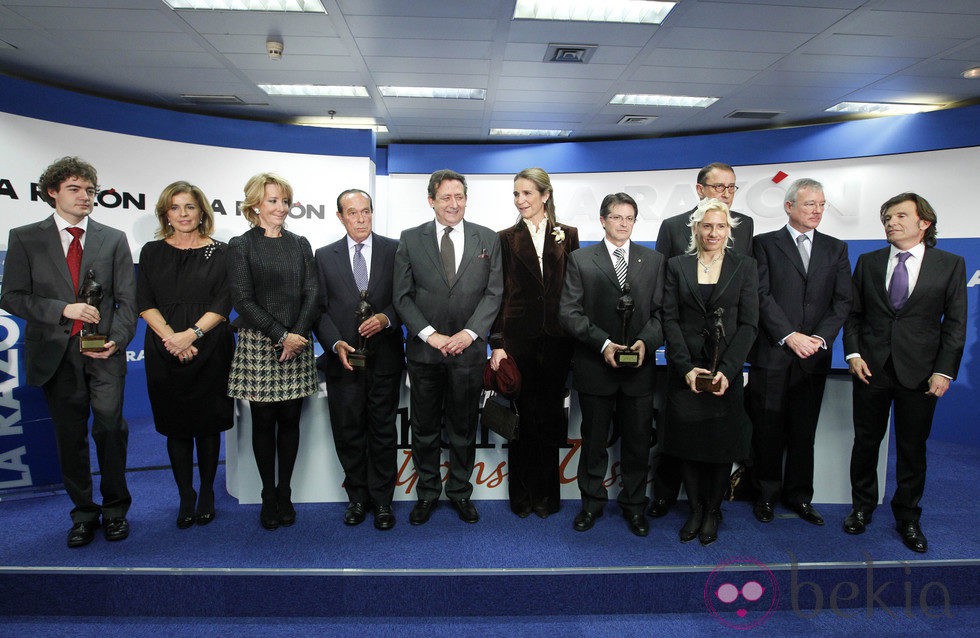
{"points": [[357, 360], [706, 383], [627, 358], [91, 343]]}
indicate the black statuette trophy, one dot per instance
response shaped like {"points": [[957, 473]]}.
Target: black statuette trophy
{"points": [[91, 293], [628, 358], [363, 312], [713, 338]]}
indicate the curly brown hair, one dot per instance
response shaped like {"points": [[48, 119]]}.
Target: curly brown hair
{"points": [[64, 169]]}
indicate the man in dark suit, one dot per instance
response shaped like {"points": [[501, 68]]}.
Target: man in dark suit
{"points": [[448, 284], [904, 340], [46, 262], [715, 180], [363, 401], [804, 298], [595, 290]]}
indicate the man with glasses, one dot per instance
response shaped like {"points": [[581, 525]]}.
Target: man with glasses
{"points": [[804, 298], [716, 180], [363, 401], [606, 284]]}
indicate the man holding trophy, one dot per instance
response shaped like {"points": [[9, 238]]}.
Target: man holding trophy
{"points": [[361, 337], [611, 305], [77, 332]]}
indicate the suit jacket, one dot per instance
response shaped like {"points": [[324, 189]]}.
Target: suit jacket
{"points": [[927, 335], [37, 286], [812, 302], [588, 313], [530, 302], [687, 317], [423, 296], [339, 298], [675, 234]]}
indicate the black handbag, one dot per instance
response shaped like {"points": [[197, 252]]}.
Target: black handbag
{"points": [[501, 416]]}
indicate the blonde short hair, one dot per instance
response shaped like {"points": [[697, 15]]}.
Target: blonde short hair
{"points": [[705, 206], [255, 191]]}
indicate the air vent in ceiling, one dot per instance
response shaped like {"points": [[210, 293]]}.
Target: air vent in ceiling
{"points": [[636, 120], [573, 53], [754, 115], [212, 99]]}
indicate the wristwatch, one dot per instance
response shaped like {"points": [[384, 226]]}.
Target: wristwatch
{"points": [[197, 332]]}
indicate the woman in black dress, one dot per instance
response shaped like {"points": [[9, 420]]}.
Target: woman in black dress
{"points": [[182, 294], [535, 253], [274, 289], [709, 291]]}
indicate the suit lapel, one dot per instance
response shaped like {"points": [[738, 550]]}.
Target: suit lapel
{"points": [[377, 259], [470, 246], [522, 246], [729, 267], [600, 256], [343, 266], [689, 271], [877, 266], [784, 240], [55, 251], [928, 272], [430, 247], [94, 237], [635, 270]]}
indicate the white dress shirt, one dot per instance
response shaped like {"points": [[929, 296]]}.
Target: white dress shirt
{"points": [[65, 236], [459, 243]]}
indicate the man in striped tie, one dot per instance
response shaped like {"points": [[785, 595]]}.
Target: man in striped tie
{"points": [[595, 284], [46, 262]]}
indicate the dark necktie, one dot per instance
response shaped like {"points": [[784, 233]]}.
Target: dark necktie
{"points": [[898, 289], [74, 258], [448, 253], [360, 268]]}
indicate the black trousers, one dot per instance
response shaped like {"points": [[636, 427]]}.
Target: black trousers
{"points": [[82, 386], [634, 416], [784, 405], [914, 410], [363, 409], [445, 393]]}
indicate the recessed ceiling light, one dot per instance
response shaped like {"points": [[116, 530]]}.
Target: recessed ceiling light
{"points": [[361, 123], [314, 90], [632, 11], [971, 74], [433, 92], [882, 108], [637, 99], [304, 6], [529, 132]]}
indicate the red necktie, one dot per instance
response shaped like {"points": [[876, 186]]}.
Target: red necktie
{"points": [[75, 267]]}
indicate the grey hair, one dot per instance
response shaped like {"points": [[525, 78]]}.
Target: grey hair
{"points": [[798, 185]]}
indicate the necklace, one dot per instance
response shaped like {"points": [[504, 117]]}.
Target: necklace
{"points": [[706, 267]]}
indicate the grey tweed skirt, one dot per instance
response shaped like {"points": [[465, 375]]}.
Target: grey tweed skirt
{"points": [[257, 374]]}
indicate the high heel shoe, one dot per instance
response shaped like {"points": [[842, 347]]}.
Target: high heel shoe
{"points": [[709, 528], [185, 515], [205, 508], [693, 524], [287, 513]]}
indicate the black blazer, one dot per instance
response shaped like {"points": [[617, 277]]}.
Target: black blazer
{"points": [[588, 313], [339, 298], [37, 286], [927, 335], [530, 301], [686, 316], [675, 235], [791, 299]]}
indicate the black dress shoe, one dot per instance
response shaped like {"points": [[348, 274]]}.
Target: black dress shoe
{"points": [[693, 525], [637, 523], [912, 536], [185, 521], [354, 514], [284, 506], [269, 514], [764, 511], [466, 509], [857, 521], [584, 520], [658, 507], [203, 518], [384, 518], [82, 533], [544, 508], [523, 508], [205, 509], [709, 527], [185, 515], [807, 513], [115, 529], [422, 511]]}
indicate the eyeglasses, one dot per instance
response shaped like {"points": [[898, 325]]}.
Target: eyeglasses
{"points": [[629, 219], [721, 188], [811, 205]]}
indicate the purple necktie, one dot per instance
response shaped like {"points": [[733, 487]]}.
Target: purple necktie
{"points": [[898, 290]]}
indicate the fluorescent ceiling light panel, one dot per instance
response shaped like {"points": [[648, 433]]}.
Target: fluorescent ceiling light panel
{"points": [[881, 108], [362, 123], [529, 132], [314, 90], [637, 99], [433, 92], [631, 11], [304, 6]]}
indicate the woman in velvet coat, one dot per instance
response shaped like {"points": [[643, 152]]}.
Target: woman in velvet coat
{"points": [[535, 253]]}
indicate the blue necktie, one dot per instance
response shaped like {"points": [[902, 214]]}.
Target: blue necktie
{"points": [[360, 268]]}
